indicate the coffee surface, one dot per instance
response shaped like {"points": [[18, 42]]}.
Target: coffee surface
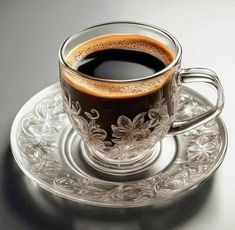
{"points": [[119, 64], [118, 57]]}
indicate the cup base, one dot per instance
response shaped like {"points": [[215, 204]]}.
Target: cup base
{"points": [[127, 168], [76, 155]]}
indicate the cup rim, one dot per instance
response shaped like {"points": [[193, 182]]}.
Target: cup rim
{"points": [[174, 62]]}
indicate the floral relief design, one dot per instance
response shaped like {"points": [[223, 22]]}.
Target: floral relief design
{"points": [[129, 137], [127, 131], [38, 140], [201, 150], [87, 128]]}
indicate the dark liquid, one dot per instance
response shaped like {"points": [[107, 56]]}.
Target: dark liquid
{"points": [[120, 64]]}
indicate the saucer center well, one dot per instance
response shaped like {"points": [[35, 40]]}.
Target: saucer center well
{"points": [[72, 150]]}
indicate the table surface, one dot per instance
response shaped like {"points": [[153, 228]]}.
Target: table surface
{"points": [[30, 35]]}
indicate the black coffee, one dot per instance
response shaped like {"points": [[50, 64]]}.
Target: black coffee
{"points": [[119, 64], [117, 57]]}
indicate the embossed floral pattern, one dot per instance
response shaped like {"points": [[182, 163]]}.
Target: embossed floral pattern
{"points": [[38, 138], [87, 128], [201, 149], [127, 131], [129, 137], [40, 131]]}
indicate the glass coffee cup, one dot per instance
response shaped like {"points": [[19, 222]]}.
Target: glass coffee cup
{"points": [[120, 84]]}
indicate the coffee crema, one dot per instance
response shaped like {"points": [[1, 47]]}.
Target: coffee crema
{"points": [[118, 66]]}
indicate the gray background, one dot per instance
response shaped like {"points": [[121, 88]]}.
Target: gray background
{"points": [[30, 35]]}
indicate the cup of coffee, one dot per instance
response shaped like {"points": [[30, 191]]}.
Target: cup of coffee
{"points": [[120, 84]]}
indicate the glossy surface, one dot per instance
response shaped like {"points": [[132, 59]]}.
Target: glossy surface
{"points": [[46, 148], [119, 64], [26, 23]]}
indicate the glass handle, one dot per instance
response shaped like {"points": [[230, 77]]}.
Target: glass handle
{"points": [[205, 76]]}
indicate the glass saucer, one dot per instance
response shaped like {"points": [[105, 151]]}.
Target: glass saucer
{"points": [[45, 147]]}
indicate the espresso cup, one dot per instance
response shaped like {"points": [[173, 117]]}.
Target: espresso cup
{"points": [[121, 116]]}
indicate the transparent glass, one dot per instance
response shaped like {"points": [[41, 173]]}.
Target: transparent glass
{"points": [[121, 121]]}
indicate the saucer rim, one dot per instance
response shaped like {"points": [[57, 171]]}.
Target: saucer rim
{"points": [[54, 87]]}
